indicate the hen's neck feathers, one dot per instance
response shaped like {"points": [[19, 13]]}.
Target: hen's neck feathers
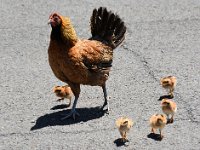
{"points": [[65, 32]]}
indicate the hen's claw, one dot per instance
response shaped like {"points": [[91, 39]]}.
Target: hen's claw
{"points": [[106, 104], [73, 113]]}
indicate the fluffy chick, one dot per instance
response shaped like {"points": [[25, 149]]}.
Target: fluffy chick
{"points": [[124, 124], [169, 108], [63, 92], [158, 121], [169, 83]]}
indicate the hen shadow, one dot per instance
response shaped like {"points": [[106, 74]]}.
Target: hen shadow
{"points": [[55, 118], [62, 106]]}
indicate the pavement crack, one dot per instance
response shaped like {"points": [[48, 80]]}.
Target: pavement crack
{"points": [[188, 109], [143, 61], [13, 134], [151, 72], [85, 131], [55, 131]]}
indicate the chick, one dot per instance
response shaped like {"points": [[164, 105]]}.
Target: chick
{"points": [[124, 124], [158, 121], [169, 83], [63, 92], [169, 108]]}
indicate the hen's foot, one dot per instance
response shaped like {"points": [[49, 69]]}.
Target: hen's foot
{"points": [[73, 114], [105, 108]]}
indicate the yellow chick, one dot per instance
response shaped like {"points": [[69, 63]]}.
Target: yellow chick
{"points": [[169, 83], [63, 92], [158, 121], [124, 124], [169, 108]]}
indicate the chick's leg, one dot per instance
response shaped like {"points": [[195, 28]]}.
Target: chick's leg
{"points": [[125, 136], [167, 118], [76, 90], [152, 130], [171, 119], [122, 135], [171, 92], [70, 101], [61, 99], [161, 135], [106, 103]]}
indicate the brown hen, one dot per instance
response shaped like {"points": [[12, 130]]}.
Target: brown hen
{"points": [[76, 61]]}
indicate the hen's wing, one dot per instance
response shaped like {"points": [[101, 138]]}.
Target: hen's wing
{"points": [[94, 55]]}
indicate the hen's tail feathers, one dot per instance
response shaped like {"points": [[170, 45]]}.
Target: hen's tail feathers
{"points": [[107, 27]]}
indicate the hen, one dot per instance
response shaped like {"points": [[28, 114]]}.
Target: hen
{"points": [[84, 61]]}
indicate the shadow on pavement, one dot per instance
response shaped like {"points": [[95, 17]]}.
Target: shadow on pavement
{"points": [[119, 142], [154, 136], [62, 106], [54, 119], [165, 96]]}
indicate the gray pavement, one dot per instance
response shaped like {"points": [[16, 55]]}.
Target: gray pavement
{"points": [[163, 38]]}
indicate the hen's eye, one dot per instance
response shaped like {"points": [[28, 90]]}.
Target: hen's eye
{"points": [[55, 18]]}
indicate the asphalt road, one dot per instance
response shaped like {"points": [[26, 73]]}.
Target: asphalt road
{"points": [[163, 38]]}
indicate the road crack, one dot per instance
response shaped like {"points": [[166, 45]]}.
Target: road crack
{"points": [[151, 72], [143, 61]]}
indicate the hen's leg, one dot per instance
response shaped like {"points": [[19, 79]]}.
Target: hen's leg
{"points": [[106, 103], [73, 113]]}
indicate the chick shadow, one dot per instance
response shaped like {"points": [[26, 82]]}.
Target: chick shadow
{"points": [[55, 118], [154, 136], [165, 96], [119, 142]]}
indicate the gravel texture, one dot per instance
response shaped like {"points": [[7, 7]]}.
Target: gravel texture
{"points": [[163, 38]]}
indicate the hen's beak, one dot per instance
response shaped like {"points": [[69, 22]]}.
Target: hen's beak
{"points": [[49, 22]]}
